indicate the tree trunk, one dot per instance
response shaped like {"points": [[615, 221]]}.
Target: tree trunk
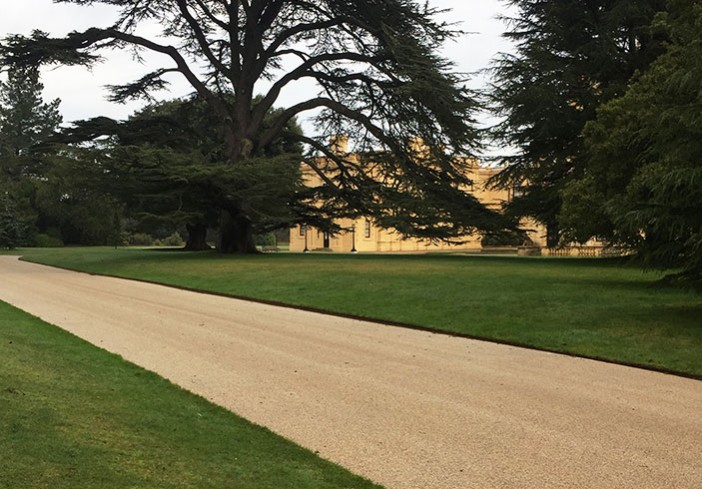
{"points": [[553, 234], [236, 234], [197, 237]]}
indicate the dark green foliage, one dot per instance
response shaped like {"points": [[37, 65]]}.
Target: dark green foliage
{"points": [[12, 228], [267, 239], [25, 123], [380, 81], [73, 196], [504, 239], [583, 215], [571, 57], [168, 164], [57, 192], [43, 240], [174, 239], [141, 239], [645, 156]]}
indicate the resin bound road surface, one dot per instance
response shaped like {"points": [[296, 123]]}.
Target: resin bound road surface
{"points": [[407, 409]]}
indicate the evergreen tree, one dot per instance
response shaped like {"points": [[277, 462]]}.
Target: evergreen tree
{"points": [[645, 157], [73, 200], [571, 57], [12, 227], [167, 163], [26, 121], [379, 78]]}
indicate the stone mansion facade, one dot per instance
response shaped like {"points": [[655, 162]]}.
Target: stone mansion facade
{"points": [[362, 235]]}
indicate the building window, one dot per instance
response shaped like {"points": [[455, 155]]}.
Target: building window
{"points": [[302, 230], [367, 229]]}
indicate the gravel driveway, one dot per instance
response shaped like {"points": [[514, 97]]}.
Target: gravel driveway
{"points": [[408, 409]]}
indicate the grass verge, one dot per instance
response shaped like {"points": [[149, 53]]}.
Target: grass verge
{"points": [[74, 416], [589, 307]]}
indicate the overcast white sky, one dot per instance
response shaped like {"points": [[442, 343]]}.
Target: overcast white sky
{"points": [[82, 92]]}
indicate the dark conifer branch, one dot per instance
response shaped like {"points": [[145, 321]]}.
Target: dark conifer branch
{"points": [[288, 34], [272, 9], [40, 49], [211, 16], [301, 71], [142, 88], [336, 107], [342, 164], [200, 36]]}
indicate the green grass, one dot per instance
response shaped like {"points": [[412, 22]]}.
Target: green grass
{"points": [[74, 416], [595, 308]]}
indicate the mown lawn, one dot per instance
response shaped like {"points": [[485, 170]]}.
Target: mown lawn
{"points": [[590, 307], [73, 416]]}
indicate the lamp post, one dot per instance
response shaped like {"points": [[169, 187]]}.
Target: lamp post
{"points": [[306, 250], [353, 238]]}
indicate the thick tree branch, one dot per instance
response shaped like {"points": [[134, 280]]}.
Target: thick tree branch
{"points": [[202, 39], [210, 15], [332, 105], [301, 71], [293, 31], [340, 162]]}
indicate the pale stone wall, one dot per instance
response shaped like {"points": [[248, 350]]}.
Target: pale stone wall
{"points": [[370, 238], [375, 239]]}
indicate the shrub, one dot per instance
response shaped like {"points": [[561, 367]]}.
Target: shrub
{"points": [[141, 239], [267, 239], [46, 241], [174, 239], [503, 239]]}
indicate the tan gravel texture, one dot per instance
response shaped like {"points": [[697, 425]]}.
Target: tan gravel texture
{"points": [[408, 409]]}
